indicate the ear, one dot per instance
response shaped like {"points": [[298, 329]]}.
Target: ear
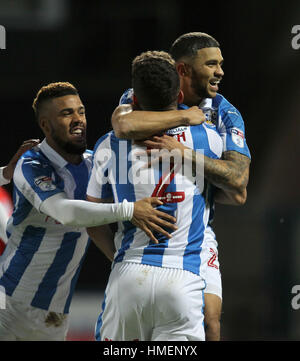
{"points": [[134, 100], [183, 69], [180, 97], [44, 125]]}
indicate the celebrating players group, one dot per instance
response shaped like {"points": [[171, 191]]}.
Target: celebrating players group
{"points": [[177, 147]]}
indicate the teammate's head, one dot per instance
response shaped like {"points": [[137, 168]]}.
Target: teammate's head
{"points": [[199, 64], [61, 116], [155, 81]]}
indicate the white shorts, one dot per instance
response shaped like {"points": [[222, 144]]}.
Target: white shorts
{"points": [[147, 303], [19, 322], [213, 274]]}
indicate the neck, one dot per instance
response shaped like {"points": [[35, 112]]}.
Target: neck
{"points": [[190, 98], [70, 158]]}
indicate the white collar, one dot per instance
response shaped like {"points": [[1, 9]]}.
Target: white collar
{"points": [[52, 155], [206, 103]]}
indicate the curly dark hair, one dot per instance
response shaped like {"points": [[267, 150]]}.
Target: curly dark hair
{"points": [[188, 44], [50, 91], [155, 80]]}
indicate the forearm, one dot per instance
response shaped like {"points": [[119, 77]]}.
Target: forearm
{"points": [[140, 124], [85, 214], [102, 236], [229, 174], [230, 198], [225, 175]]}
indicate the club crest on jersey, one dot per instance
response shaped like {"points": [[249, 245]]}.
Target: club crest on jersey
{"points": [[44, 183], [211, 115], [237, 137]]}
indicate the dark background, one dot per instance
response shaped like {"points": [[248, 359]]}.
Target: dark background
{"points": [[92, 43]]}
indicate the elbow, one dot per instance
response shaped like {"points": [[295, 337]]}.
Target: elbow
{"points": [[240, 197], [121, 128]]}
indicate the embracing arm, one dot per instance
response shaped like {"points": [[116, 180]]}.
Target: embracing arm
{"points": [[80, 213], [129, 123], [230, 174]]}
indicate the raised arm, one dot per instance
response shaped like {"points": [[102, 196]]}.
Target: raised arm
{"points": [[129, 123]]}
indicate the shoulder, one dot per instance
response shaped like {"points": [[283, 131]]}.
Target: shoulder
{"points": [[32, 168], [224, 106], [104, 141], [34, 158], [126, 97]]}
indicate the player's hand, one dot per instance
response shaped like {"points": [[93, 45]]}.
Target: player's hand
{"points": [[163, 149], [8, 171], [194, 116], [164, 142], [150, 220]]}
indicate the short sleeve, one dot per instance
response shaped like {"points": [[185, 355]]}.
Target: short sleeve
{"points": [[127, 97], [35, 180], [232, 129]]}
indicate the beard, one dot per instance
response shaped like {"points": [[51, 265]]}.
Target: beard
{"points": [[198, 89], [69, 147]]}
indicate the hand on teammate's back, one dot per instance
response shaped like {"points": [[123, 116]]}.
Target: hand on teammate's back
{"points": [[149, 219]]}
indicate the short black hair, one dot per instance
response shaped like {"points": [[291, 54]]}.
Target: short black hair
{"points": [[50, 91], [188, 44], [155, 80]]}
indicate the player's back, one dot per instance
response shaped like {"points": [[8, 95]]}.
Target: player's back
{"points": [[185, 197]]}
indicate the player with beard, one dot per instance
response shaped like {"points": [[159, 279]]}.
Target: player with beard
{"points": [[199, 64], [47, 239]]}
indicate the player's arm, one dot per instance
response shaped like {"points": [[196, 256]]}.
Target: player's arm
{"points": [[80, 213], [34, 180], [129, 123], [6, 173], [144, 216], [230, 175]]}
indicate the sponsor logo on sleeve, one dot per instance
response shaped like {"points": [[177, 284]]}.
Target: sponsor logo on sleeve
{"points": [[44, 183], [237, 137], [232, 112]]}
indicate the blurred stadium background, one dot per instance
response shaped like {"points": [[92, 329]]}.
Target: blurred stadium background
{"points": [[92, 43]]}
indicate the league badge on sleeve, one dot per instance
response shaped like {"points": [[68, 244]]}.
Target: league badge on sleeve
{"points": [[44, 183], [237, 137]]}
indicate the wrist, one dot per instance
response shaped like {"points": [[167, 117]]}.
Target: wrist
{"points": [[185, 120], [127, 210]]}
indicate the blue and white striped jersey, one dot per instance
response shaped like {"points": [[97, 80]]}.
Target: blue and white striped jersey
{"points": [[42, 259], [219, 112], [119, 172], [228, 122]]}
